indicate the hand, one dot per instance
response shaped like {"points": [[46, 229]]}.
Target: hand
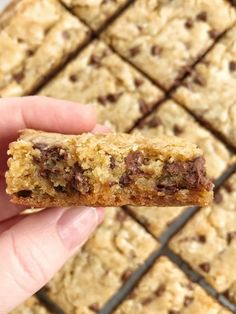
{"points": [[33, 247]]}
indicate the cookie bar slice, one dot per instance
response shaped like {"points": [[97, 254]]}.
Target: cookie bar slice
{"points": [[48, 169], [208, 241], [121, 94], [91, 277], [94, 13], [34, 42], [31, 306], [165, 289], [164, 38]]}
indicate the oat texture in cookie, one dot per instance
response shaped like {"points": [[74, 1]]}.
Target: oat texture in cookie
{"points": [[34, 42], [100, 77], [165, 289], [208, 241], [102, 266], [210, 90], [31, 306], [95, 13], [164, 38]]}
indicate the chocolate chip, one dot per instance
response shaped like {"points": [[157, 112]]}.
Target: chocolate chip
{"points": [[66, 34], [79, 181], [24, 193], [213, 33], [112, 162], [205, 267], [153, 122], [95, 61], [102, 100], [133, 161], [232, 66], [30, 52], [177, 129], [147, 300], [138, 82], [190, 286], [121, 216], [228, 187], [144, 106], [60, 189], [230, 237], [125, 180], [189, 23], [126, 275], [188, 301], [160, 290], [155, 50], [201, 238], [73, 78], [19, 77], [173, 312], [113, 97], [198, 79], [94, 307], [135, 51], [202, 16], [218, 197]]}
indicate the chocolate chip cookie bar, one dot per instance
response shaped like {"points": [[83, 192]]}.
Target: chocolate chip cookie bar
{"points": [[102, 266], [34, 41], [210, 90], [31, 306], [94, 12], [208, 241], [165, 289], [49, 169], [99, 77], [164, 38]]}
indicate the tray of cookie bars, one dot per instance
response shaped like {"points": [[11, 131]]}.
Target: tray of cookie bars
{"points": [[151, 68]]}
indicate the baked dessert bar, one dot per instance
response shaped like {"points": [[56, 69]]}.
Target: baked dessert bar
{"points": [[31, 306]]}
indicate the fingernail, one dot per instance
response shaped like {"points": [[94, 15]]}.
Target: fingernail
{"points": [[76, 225]]}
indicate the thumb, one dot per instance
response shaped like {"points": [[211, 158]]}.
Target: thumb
{"points": [[35, 247]]}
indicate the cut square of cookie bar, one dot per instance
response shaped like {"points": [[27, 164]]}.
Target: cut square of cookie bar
{"points": [[31, 306], [164, 38], [171, 119], [107, 260], [208, 241], [35, 41], [100, 77], [95, 13], [210, 90], [165, 289], [49, 169]]}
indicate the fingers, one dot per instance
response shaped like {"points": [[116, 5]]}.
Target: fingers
{"points": [[41, 113], [34, 248]]}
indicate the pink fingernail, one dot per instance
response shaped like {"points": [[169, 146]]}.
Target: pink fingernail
{"points": [[77, 224]]}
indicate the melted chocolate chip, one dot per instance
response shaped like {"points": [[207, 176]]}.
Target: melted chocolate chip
{"points": [[95, 61], [94, 307], [160, 290], [79, 181], [112, 162], [19, 77], [189, 23], [188, 301], [73, 78], [155, 50], [102, 100], [205, 267], [133, 161], [230, 237], [202, 16], [173, 312], [125, 180], [147, 300], [126, 275], [144, 106], [153, 122], [24, 193], [232, 66], [213, 33], [60, 189], [201, 238], [177, 129], [121, 216], [228, 187], [199, 80], [218, 197], [138, 82], [135, 51], [30, 52], [113, 97]]}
